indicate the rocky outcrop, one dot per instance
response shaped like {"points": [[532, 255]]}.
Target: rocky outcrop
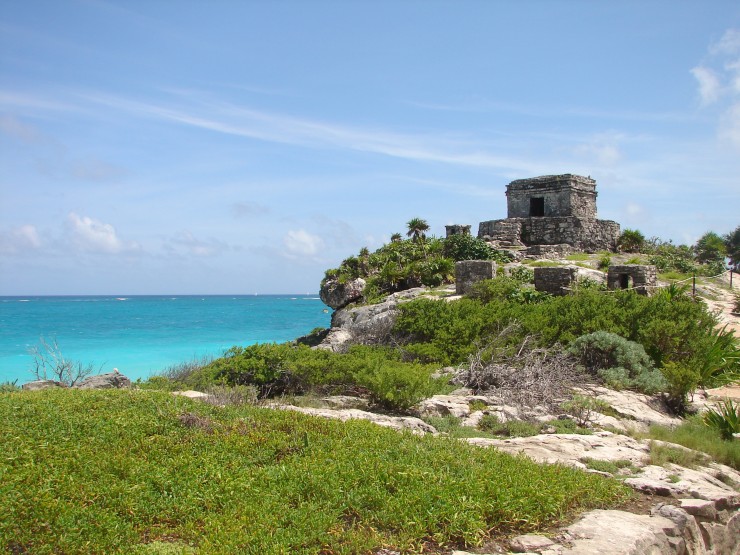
{"points": [[366, 324], [111, 380], [41, 384], [337, 295]]}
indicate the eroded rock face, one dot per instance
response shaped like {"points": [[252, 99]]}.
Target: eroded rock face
{"points": [[365, 324], [338, 295], [110, 380]]}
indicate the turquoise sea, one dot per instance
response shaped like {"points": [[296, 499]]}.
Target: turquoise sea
{"points": [[141, 335]]}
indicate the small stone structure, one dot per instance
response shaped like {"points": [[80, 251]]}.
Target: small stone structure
{"points": [[552, 210], [555, 280], [469, 272], [456, 229], [639, 277]]}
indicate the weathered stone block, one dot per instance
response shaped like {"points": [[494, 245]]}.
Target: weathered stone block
{"points": [[641, 278], [554, 280], [469, 272], [456, 229]]}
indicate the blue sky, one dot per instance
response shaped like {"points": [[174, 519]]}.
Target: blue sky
{"points": [[244, 147]]}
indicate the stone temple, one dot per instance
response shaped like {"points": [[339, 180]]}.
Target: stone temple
{"points": [[552, 212]]}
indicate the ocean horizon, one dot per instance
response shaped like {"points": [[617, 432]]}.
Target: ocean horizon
{"points": [[142, 335]]}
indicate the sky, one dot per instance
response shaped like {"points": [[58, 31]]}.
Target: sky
{"points": [[239, 147]]}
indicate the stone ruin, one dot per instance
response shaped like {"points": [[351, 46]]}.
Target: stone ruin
{"points": [[556, 280], [554, 210], [470, 272], [642, 278], [457, 230]]}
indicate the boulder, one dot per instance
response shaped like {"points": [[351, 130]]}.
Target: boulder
{"points": [[338, 295], [638, 407], [111, 380], [42, 384]]}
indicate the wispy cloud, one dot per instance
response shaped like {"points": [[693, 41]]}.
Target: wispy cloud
{"points": [[21, 239], [267, 126], [184, 242], [719, 84]]}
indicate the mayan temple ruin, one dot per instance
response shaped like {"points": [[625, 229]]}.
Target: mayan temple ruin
{"points": [[551, 213]]}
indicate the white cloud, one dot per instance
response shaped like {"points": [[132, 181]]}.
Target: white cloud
{"points": [[728, 44], [92, 235], [709, 84], [13, 127], [186, 241], [20, 239], [729, 128], [301, 243]]}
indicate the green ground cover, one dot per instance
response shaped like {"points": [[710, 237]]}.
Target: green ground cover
{"points": [[134, 471]]}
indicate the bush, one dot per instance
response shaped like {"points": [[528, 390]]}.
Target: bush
{"points": [[621, 363], [397, 386], [631, 240], [512, 428], [725, 419], [583, 408], [682, 382], [467, 247]]}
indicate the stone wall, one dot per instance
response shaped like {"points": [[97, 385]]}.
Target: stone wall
{"points": [[469, 272], [562, 196], [456, 229], [587, 235], [554, 280], [642, 278]]}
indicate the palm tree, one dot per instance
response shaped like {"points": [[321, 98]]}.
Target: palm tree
{"points": [[417, 228], [395, 238]]}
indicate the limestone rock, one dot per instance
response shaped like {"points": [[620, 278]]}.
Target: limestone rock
{"points": [[443, 405], [42, 384], [338, 295], [569, 448], [530, 543], [366, 324], [191, 394], [635, 406], [412, 424], [111, 380], [622, 533]]}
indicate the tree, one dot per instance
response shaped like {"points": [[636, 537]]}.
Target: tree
{"points": [[631, 240], [732, 244], [710, 248], [49, 363], [417, 229], [396, 238]]}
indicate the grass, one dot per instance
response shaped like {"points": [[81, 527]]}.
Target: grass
{"points": [[578, 257], [661, 455], [612, 467], [692, 433], [139, 471]]}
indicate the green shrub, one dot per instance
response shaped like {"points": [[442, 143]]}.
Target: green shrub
{"points": [[397, 386], [604, 262], [612, 467], [619, 362], [725, 419], [512, 428], [8, 386], [522, 274], [583, 408], [467, 247], [682, 382], [631, 240]]}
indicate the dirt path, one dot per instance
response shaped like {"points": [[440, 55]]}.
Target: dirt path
{"points": [[723, 307]]}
